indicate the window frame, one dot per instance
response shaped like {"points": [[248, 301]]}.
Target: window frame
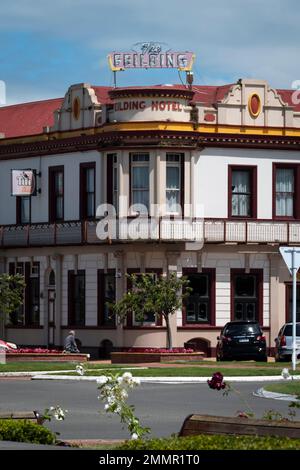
{"points": [[137, 164], [252, 169], [212, 299], [296, 199], [26, 269], [259, 273], [52, 171], [83, 190], [71, 303], [101, 273], [19, 210], [179, 164]]}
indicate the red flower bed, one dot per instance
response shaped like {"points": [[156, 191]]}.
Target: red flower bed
{"points": [[34, 351], [158, 350]]}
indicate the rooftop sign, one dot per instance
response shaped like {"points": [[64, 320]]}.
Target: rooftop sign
{"points": [[150, 56]]}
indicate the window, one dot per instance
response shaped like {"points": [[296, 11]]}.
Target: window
{"points": [[140, 180], [242, 191], [106, 295], [199, 306], [289, 303], [173, 182], [246, 295], [149, 317], [23, 210], [56, 194], [28, 314], [112, 180], [285, 192], [115, 183], [87, 190], [76, 296]]}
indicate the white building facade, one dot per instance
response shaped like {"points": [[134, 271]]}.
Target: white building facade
{"points": [[218, 169]]}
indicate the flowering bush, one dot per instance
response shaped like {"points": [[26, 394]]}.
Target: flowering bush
{"points": [[80, 369], [114, 391], [53, 412]]}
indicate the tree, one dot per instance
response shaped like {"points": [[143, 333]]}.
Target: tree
{"points": [[11, 292], [148, 296]]}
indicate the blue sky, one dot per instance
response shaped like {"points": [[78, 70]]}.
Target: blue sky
{"points": [[48, 45]]}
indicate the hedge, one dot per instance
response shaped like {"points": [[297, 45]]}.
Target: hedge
{"points": [[213, 442], [25, 431]]}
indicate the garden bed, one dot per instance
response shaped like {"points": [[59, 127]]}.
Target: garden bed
{"points": [[44, 357], [148, 357]]}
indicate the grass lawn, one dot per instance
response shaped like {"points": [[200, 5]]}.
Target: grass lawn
{"points": [[188, 372], [47, 366], [201, 369], [290, 388]]}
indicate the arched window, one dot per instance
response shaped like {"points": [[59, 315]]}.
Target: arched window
{"points": [[52, 278]]}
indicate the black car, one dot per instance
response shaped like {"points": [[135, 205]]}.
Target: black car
{"points": [[242, 340]]}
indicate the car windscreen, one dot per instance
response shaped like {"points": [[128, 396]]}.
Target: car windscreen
{"points": [[288, 331], [244, 330]]}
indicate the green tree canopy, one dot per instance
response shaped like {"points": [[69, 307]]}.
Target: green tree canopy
{"points": [[162, 296], [11, 292]]}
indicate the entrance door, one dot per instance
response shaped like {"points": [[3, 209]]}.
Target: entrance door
{"points": [[51, 316], [245, 301]]}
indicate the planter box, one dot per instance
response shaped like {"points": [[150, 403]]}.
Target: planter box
{"points": [[205, 424], [46, 357], [140, 357]]}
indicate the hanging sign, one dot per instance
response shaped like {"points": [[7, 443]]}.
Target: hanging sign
{"points": [[23, 182]]}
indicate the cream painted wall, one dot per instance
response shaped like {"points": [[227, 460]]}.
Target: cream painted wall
{"points": [[39, 207], [211, 177]]}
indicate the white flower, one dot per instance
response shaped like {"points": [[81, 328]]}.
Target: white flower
{"points": [[285, 373], [124, 394], [134, 436], [127, 376], [106, 407], [102, 380], [80, 370]]}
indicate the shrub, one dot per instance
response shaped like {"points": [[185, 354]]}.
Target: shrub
{"points": [[213, 442], [25, 431]]}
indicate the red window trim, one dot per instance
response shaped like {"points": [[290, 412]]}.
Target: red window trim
{"points": [[71, 273], [296, 201], [100, 298], [27, 294], [110, 177], [18, 210], [181, 163], [51, 193], [288, 286], [253, 176], [260, 277], [82, 185], [212, 273]]}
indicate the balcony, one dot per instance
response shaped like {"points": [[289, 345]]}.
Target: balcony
{"points": [[162, 230]]}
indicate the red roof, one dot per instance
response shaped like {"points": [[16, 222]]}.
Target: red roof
{"points": [[30, 118]]}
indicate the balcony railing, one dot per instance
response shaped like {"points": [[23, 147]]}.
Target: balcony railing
{"points": [[189, 230]]}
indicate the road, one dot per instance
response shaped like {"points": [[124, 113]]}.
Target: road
{"points": [[162, 407]]}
